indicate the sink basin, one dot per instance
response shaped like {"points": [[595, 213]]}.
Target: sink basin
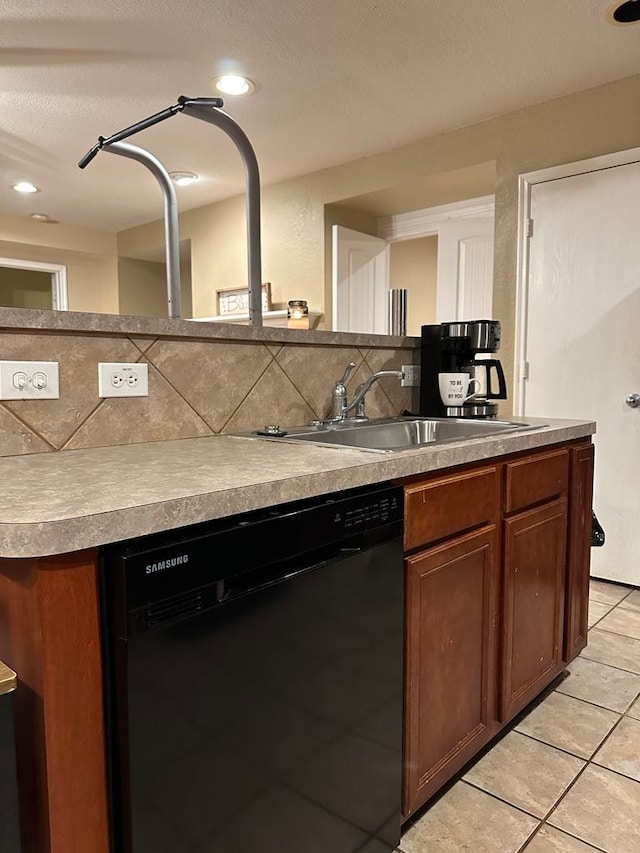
{"points": [[392, 435]]}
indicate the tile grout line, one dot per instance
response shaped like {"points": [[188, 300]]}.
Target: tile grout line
{"points": [[595, 704], [566, 751], [98, 405], [31, 429], [319, 415], [613, 666], [588, 764], [557, 828], [617, 633], [145, 358], [500, 799], [242, 402]]}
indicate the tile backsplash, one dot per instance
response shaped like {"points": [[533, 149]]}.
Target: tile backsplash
{"points": [[197, 387]]}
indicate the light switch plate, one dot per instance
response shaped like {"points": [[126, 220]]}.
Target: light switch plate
{"points": [[123, 379], [29, 380], [411, 377]]}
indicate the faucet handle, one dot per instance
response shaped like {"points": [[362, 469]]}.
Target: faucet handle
{"points": [[347, 372]]}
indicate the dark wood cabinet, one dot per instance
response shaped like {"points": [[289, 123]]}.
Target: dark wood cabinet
{"points": [[497, 572], [578, 550], [9, 830], [533, 603], [451, 658]]}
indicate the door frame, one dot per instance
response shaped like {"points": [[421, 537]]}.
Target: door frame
{"points": [[526, 182], [429, 222], [59, 290]]}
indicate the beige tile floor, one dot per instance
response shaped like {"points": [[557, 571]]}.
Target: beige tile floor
{"points": [[566, 779]]}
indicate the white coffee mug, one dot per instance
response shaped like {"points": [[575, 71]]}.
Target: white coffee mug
{"points": [[454, 388]]}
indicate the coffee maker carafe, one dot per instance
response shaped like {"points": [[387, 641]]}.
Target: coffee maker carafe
{"points": [[490, 376], [460, 348]]}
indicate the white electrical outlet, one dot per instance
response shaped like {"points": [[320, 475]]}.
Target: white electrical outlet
{"points": [[411, 378], [29, 380], [122, 379]]}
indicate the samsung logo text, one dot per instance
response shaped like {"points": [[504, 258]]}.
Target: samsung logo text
{"points": [[161, 565]]}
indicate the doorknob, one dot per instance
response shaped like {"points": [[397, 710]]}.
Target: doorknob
{"points": [[633, 400]]}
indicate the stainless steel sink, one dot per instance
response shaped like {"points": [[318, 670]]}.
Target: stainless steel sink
{"points": [[392, 435]]}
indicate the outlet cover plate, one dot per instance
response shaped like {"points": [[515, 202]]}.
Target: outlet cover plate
{"points": [[29, 380], [123, 379], [411, 377]]}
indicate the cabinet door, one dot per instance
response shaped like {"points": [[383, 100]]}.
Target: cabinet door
{"points": [[533, 603], [450, 660], [579, 551]]}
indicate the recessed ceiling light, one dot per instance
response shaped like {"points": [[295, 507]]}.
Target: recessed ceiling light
{"points": [[182, 179], [25, 187], [627, 12], [234, 84], [44, 217]]}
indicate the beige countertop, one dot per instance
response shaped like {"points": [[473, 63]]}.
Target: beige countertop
{"points": [[8, 679], [52, 503]]}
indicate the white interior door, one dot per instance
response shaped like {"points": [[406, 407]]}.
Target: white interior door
{"points": [[465, 269], [360, 282], [582, 339]]}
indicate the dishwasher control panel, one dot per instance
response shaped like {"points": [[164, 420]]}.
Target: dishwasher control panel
{"points": [[152, 570], [372, 511]]}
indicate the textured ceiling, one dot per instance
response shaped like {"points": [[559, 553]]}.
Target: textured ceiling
{"points": [[337, 80]]}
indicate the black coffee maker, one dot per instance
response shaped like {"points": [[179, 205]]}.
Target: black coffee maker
{"points": [[455, 348]]}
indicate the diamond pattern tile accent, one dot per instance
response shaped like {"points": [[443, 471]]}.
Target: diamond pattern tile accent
{"points": [[78, 356], [393, 359], [274, 399], [143, 343], [160, 416], [213, 377], [377, 403], [315, 370], [16, 438]]}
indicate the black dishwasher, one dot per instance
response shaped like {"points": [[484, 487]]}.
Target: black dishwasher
{"points": [[254, 681]]}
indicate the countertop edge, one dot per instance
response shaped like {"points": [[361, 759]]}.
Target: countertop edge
{"points": [[50, 538], [37, 320], [8, 679]]}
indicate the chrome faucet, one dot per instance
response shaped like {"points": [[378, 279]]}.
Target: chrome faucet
{"points": [[340, 406], [361, 391], [339, 394]]}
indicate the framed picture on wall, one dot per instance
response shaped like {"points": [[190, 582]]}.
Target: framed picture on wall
{"points": [[236, 300]]}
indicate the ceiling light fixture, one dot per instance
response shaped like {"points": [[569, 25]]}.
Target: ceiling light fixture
{"points": [[44, 217], [624, 13], [183, 179], [25, 187], [234, 84]]}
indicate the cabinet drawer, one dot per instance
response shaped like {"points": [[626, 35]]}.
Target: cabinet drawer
{"points": [[535, 479], [450, 505]]}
